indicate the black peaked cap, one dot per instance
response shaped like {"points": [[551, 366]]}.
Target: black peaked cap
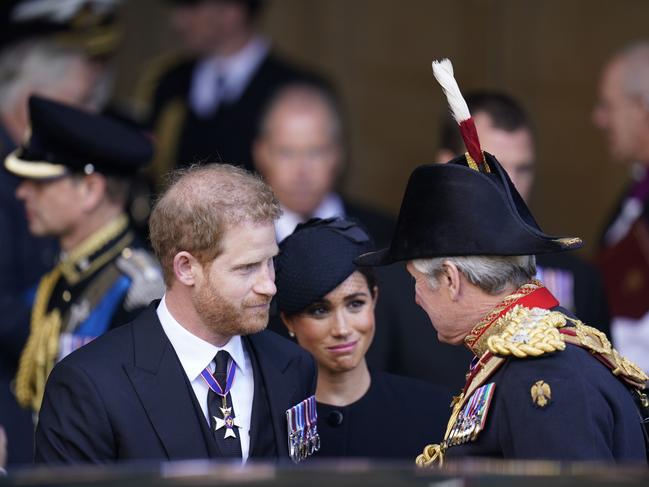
{"points": [[317, 257], [453, 210], [65, 139]]}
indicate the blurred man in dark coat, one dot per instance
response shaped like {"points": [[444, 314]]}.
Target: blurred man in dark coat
{"points": [[622, 113], [205, 105]]}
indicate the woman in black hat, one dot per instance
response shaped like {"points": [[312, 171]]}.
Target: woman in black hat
{"points": [[327, 303]]}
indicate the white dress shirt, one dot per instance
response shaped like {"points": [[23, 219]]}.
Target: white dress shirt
{"points": [[220, 78], [331, 206], [195, 354]]}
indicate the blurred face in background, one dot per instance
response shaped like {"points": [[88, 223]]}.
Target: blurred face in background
{"points": [[206, 26], [338, 329], [623, 118], [514, 150], [54, 207], [298, 153]]}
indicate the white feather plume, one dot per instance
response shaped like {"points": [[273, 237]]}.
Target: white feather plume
{"points": [[443, 72]]}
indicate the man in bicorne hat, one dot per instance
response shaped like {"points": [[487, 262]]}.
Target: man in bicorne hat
{"points": [[542, 383]]}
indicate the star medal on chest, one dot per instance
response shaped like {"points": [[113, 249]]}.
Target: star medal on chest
{"points": [[228, 421]]}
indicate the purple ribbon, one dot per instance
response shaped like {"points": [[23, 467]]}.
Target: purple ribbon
{"points": [[213, 384]]}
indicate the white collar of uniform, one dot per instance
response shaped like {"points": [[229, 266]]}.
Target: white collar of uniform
{"points": [[193, 352], [330, 206], [239, 67]]}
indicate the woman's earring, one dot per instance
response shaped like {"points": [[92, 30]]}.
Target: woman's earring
{"points": [[291, 334]]}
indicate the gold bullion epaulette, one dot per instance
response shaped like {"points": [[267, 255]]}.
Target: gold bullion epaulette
{"points": [[527, 332], [598, 344]]}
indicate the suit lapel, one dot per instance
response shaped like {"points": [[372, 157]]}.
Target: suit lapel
{"points": [[280, 384], [166, 393]]}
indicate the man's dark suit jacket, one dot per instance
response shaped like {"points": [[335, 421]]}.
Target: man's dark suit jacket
{"points": [[125, 397]]}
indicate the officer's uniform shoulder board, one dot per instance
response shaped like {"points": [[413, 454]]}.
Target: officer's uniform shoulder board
{"points": [[597, 343], [145, 275], [527, 332]]}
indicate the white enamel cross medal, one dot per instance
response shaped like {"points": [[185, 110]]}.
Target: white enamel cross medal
{"points": [[228, 421]]}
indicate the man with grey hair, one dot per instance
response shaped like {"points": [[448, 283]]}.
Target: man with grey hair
{"points": [[622, 113], [542, 385]]}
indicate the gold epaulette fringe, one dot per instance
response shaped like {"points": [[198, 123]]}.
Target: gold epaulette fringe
{"points": [[528, 333]]}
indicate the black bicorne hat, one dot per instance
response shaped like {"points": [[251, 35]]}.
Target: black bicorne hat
{"points": [[453, 210], [468, 206], [317, 257], [65, 140]]}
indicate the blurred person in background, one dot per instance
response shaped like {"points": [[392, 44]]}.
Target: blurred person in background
{"points": [[506, 131], [327, 304], [622, 114], [205, 103], [59, 51], [74, 169], [300, 151]]}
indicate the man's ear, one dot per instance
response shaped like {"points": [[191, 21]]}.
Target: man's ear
{"points": [[452, 278], [187, 269]]}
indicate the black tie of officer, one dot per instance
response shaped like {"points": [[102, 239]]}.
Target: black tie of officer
{"points": [[230, 447]]}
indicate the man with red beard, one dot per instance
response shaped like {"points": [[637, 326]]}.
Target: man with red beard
{"points": [[195, 375]]}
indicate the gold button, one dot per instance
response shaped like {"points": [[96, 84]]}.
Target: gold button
{"points": [[127, 253], [67, 296]]}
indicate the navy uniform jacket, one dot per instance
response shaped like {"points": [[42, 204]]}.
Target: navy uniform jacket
{"points": [[539, 389], [102, 284], [394, 419], [590, 416], [125, 397]]}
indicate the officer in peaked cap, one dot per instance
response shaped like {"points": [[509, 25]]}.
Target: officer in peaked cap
{"points": [[75, 168], [542, 385]]}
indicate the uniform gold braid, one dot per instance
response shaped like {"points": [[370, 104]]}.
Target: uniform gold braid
{"points": [[38, 356], [94, 243], [597, 343], [540, 337], [475, 340]]}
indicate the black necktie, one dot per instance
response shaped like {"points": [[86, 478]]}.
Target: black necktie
{"points": [[230, 447]]}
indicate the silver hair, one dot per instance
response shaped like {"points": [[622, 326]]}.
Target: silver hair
{"points": [[35, 64], [491, 274], [636, 72]]}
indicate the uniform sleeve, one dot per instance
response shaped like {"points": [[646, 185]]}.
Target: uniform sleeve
{"points": [[575, 424], [73, 425]]}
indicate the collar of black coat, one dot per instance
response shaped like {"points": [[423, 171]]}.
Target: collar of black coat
{"points": [[97, 250]]}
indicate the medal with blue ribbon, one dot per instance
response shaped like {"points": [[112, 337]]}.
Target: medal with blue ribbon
{"points": [[228, 421]]}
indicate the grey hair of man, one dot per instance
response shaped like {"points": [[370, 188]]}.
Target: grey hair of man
{"points": [[636, 73], [492, 274], [33, 65]]}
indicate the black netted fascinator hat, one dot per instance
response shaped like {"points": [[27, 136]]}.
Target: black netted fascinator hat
{"points": [[315, 259]]}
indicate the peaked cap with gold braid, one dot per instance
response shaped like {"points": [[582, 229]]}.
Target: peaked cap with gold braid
{"points": [[467, 206]]}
